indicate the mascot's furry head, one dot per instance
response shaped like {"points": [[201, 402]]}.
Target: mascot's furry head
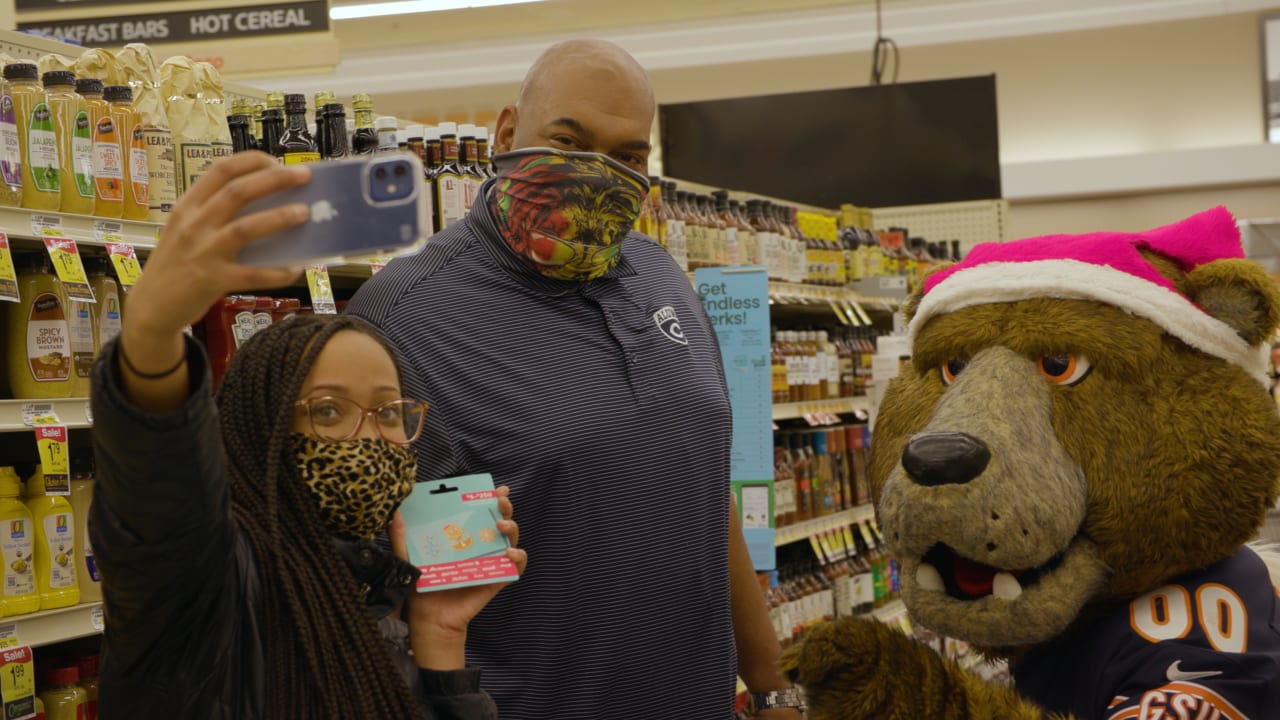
{"points": [[1085, 419]]}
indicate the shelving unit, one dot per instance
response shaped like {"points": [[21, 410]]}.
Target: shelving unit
{"points": [[73, 412], [788, 534], [86, 230], [818, 408], [55, 626]]}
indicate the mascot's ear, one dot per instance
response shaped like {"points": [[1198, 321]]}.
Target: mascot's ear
{"points": [[1239, 293], [912, 303]]}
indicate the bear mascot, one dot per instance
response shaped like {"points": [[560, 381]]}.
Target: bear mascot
{"points": [[1069, 472]]}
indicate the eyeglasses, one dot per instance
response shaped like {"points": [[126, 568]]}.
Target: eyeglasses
{"points": [[337, 419]]}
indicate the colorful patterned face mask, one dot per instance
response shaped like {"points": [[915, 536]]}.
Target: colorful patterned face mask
{"points": [[565, 213], [359, 484]]}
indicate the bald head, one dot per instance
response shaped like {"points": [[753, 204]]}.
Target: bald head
{"points": [[583, 95], [593, 60]]}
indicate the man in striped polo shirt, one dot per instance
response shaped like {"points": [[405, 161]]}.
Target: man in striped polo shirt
{"points": [[572, 360]]}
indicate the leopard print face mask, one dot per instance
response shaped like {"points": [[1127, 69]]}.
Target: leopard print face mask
{"points": [[358, 483]]}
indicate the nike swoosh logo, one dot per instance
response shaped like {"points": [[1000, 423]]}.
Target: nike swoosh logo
{"points": [[1175, 673]]}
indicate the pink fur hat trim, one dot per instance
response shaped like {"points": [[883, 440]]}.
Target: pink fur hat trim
{"points": [[1105, 267]]}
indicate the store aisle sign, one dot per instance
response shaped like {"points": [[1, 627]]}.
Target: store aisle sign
{"points": [[27, 5], [195, 25], [737, 302]]}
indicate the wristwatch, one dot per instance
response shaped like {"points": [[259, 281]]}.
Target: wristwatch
{"points": [[789, 698]]}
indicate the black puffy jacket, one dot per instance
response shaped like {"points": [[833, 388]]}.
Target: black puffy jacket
{"points": [[182, 596]]}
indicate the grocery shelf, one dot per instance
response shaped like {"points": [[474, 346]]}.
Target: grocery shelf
{"points": [[799, 531], [86, 230], [54, 626], [73, 412], [890, 612], [833, 406]]}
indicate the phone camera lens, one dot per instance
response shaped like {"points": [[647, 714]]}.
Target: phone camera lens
{"points": [[400, 171], [380, 173]]}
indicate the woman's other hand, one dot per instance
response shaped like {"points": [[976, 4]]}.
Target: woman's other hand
{"points": [[438, 620]]}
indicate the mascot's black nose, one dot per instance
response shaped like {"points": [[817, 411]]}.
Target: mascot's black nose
{"points": [[945, 458]]}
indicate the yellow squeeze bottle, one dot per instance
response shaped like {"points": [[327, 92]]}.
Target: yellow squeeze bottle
{"points": [[133, 146], [38, 347], [82, 482], [63, 699], [18, 594], [41, 189], [75, 142], [55, 546]]}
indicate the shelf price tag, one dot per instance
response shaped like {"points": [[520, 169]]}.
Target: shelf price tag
{"points": [[70, 270], [8, 276], [321, 290], [17, 680], [46, 225], [96, 619], [108, 231], [125, 261], [55, 464]]}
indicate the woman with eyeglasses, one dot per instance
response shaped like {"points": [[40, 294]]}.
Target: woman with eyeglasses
{"points": [[236, 535]]}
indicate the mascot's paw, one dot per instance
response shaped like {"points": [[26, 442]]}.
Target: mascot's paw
{"points": [[852, 669], [855, 669]]}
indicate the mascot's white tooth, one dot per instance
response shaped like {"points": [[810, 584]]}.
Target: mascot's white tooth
{"points": [[928, 578], [1006, 587]]}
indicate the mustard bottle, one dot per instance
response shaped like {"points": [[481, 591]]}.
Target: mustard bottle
{"points": [[133, 144], [17, 547], [107, 292], [82, 482], [10, 151], [75, 142], [38, 338], [81, 319], [41, 188], [55, 542], [63, 698], [108, 157]]}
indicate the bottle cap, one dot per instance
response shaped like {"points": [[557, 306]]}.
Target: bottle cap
{"points": [[384, 122], [414, 132], [89, 86], [21, 71], [431, 133], [65, 675], [466, 130], [273, 114], [447, 129], [87, 665], [482, 133], [295, 102], [333, 109], [58, 77], [35, 262], [98, 265], [118, 93]]}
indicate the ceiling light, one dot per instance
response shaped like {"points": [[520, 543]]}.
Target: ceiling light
{"points": [[402, 7]]}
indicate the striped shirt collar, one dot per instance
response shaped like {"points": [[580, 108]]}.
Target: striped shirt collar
{"points": [[481, 221]]}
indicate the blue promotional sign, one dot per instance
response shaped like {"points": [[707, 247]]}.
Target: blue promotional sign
{"points": [[737, 301]]}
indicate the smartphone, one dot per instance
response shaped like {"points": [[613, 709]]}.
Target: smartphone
{"points": [[360, 207]]}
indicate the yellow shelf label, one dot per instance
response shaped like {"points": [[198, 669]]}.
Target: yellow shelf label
{"points": [[321, 291], [125, 261], [69, 268]]}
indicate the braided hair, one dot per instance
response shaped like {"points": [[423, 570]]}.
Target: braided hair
{"points": [[324, 655]]}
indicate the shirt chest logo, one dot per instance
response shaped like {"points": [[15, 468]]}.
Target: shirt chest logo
{"points": [[666, 320]]}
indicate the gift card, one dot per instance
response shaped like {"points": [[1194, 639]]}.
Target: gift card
{"points": [[451, 528]]}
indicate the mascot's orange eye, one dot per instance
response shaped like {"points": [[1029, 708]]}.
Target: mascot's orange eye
{"points": [[1064, 369], [951, 369]]}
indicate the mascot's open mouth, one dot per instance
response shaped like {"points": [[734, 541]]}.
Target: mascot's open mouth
{"points": [[944, 570]]}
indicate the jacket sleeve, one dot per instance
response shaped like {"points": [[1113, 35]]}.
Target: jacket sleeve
{"points": [[176, 571], [455, 695]]}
